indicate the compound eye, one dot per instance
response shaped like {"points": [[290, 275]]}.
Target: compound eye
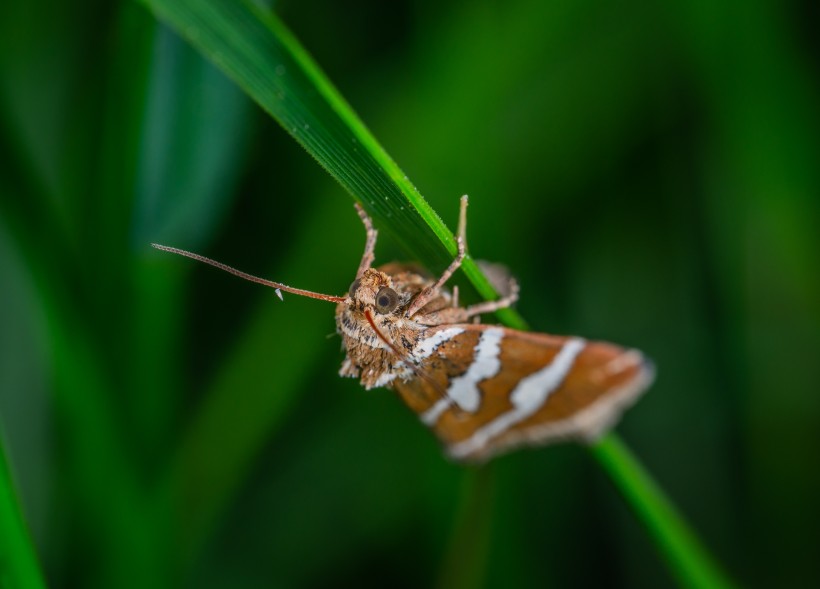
{"points": [[386, 300], [354, 287]]}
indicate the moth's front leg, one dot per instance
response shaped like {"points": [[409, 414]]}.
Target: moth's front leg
{"points": [[461, 241], [431, 291], [461, 315], [370, 244]]}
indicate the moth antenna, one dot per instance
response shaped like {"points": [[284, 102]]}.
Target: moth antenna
{"points": [[407, 360], [275, 285]]}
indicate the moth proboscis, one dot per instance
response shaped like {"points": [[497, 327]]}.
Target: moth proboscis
{"points": [[482, 389]]}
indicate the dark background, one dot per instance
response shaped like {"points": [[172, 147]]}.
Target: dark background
{"points": [[651, 173]]}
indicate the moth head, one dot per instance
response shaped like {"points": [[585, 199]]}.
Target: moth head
{"points": [[374, 290]]}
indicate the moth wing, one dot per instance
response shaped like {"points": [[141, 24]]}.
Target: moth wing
{"points": [[488, 389]]}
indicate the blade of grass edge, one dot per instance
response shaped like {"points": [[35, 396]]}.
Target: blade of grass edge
{"points": [[691, 565], [256, 50], [19, 566]]}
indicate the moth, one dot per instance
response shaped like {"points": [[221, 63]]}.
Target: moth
{"points": [[482, 389]]}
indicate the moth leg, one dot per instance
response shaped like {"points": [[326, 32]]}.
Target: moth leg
{"points": [[461, 315], [491, 306], [370, 243], [462, 220], [430, 292]]}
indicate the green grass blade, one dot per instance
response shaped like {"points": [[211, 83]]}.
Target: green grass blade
{"points": [[687, 559], [465, 564], [255, 49], [18, 561]]}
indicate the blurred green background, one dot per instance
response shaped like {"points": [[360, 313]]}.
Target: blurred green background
{"points": [[651, 173]]}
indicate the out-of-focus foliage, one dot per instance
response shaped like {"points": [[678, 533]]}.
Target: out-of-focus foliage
{"points": [[651, 173]]}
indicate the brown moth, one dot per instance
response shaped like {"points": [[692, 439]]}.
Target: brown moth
{"points": [[482, 389]]}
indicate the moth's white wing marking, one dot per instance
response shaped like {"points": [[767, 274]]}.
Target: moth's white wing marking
{"points": [[589, 423], [623, 361], [527, 397], [430, 417], [279, 294], [425, 348], [486, 363], [463, 389], [531, 392]]}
